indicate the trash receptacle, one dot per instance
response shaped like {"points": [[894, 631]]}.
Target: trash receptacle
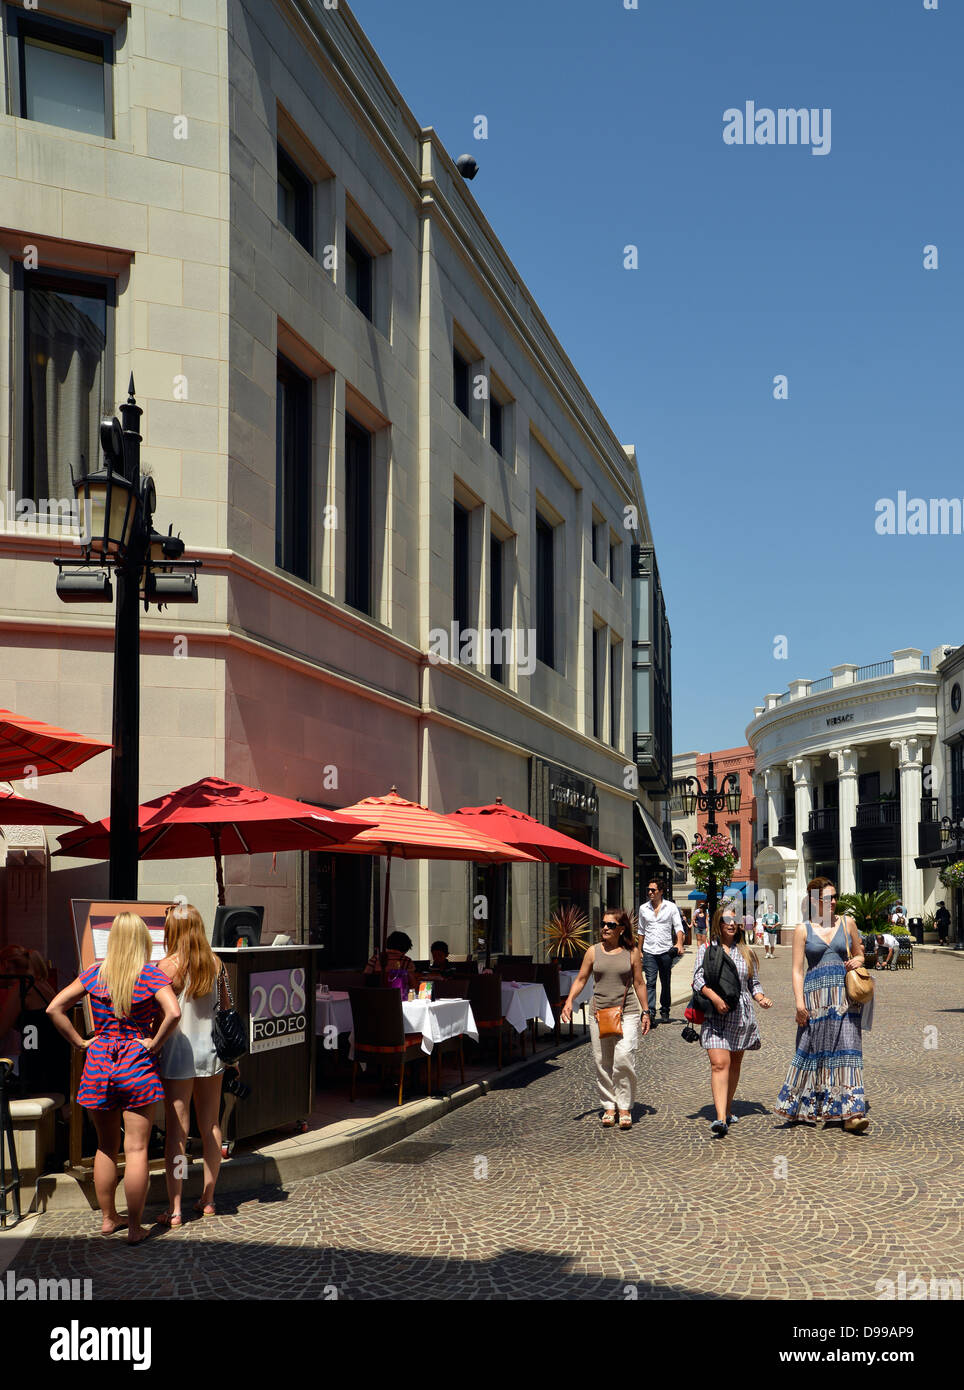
{"points": [[917, 929]]}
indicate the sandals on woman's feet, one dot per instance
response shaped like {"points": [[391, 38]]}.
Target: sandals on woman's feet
{"points": [[856, 1124], [172, 1219], [608, 1119], [625, 1120], [208, 1209]]}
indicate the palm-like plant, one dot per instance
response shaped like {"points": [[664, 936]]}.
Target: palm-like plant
{"points": [[869, 910], [565, 934]]}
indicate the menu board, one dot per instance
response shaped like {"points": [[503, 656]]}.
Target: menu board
{"points": [[92, 924]]}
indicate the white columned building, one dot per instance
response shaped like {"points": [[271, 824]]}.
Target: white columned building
{"points": [[854, 751]]}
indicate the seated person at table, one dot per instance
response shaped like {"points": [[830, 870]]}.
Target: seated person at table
{"points": [[441, 965], [397, 947]]}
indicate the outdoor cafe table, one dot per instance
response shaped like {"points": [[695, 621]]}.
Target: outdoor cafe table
{"points": [[436, 1020], [520, 1002], [566, 978]]}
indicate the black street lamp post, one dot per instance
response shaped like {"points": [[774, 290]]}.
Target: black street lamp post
{"points": [[954, 830], [711, 800], [117, 513]]}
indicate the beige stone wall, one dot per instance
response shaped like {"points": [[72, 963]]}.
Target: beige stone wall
{"points": [[271, 680]]}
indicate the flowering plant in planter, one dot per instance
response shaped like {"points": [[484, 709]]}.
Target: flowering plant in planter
{"points": [[952, 875], [716, 856]]}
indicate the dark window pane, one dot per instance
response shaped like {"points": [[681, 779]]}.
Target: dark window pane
{"points": [[460, 577], [461, 368], [63, 79], [359, 274], [613, 563], [358, 525], [65, 330], [295, 200], [614, 652], [495, 604], [293, 472], [545, 593], [495, 425], [596, 693], [595, 544]]}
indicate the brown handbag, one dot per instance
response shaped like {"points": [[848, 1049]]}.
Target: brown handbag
{"points": [[610, 1021], [859, 985]]}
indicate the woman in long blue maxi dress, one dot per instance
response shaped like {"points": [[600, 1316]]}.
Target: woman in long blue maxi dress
{"points": [[826, 1079]]}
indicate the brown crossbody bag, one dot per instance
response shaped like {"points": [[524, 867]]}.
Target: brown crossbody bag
{"points": [[610, 1021]]}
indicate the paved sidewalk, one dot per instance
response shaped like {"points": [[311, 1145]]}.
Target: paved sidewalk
{"points": [[522, 1194]]}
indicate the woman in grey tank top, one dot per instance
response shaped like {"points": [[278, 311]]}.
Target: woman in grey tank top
{"points": [[617, 972]]}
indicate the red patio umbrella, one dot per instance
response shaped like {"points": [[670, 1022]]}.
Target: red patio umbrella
{"points": [[217, 817], [43, 748], [20, 810], [525, 832], [405, 830]]}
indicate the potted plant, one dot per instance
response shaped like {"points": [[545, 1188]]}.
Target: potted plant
{"points": [[565, 935], [715, 856]]}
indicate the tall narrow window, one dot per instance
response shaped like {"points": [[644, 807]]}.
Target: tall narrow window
{"points": [[496, 420], [359, 274], [68, 375], [496, 579], [293, 471], [295, 199], [598, 633], [358, 521], [545, 592], [461, 382], [615, 687], [460, 575], [614, 563], [60, 73]]}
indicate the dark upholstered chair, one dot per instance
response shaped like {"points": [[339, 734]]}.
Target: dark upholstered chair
{"points": [[379, 1034]]}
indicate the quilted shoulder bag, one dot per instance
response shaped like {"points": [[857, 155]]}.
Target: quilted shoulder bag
{"points": [[227, 1029], [610, 1021]]}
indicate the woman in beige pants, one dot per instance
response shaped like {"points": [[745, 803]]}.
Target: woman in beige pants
{"points": [[616, 967]]}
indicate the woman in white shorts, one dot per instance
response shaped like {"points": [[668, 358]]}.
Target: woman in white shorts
{"points": [[189, 1065]]}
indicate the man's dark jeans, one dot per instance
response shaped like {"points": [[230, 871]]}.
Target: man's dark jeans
{"points": [[660, 964]]}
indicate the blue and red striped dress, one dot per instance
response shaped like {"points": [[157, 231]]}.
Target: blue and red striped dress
{"points": [[118, 1074]]}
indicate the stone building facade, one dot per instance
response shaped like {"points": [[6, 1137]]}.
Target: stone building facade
{"points": [[359, 419]]}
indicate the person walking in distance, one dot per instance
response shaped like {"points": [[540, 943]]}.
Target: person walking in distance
{"points": [[729, 1024], [617, 983], [771, 926], [661, 930], [942, 921], [700, 924]]}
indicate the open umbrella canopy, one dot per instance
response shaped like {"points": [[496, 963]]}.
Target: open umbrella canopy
{"points": [[28, 747], [20, 810], [526, 833], [406, 830], [217, 817], [700, 897]]}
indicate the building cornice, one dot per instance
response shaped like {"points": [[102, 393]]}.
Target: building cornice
{"points": [[869, 691]]}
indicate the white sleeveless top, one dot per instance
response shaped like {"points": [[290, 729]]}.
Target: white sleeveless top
{"points": [[189, 1051]]}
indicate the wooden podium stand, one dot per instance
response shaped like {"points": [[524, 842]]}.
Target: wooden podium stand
{"points": [[274, 992]]}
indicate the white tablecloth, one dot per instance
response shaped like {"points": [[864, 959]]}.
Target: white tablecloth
{"points": [[520, 1002], [445, 1018], [333, 1011], [566, 978]]}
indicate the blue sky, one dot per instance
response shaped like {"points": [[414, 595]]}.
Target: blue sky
{"points": [[606, 128]]}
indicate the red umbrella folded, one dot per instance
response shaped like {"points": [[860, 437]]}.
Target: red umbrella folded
{"points": [[28, 747], [525, 832], [20, 810], [217, 817]]}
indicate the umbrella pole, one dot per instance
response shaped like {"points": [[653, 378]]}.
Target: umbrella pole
{"points": [[218, 866], [388, 882]]}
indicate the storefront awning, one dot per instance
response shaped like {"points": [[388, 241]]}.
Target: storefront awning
{"points": [[660, 848]]}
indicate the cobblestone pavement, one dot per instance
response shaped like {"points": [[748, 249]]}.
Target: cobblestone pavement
{"points": [[522, 1194]]}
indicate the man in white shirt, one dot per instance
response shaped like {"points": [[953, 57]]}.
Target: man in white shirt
{"points": [[885, 944], [661, 930]]}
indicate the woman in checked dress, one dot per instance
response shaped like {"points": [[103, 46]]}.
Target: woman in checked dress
{"points": [[729, 1032]]}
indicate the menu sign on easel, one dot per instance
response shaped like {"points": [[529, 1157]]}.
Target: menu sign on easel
{"points": [[93, 920]]}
